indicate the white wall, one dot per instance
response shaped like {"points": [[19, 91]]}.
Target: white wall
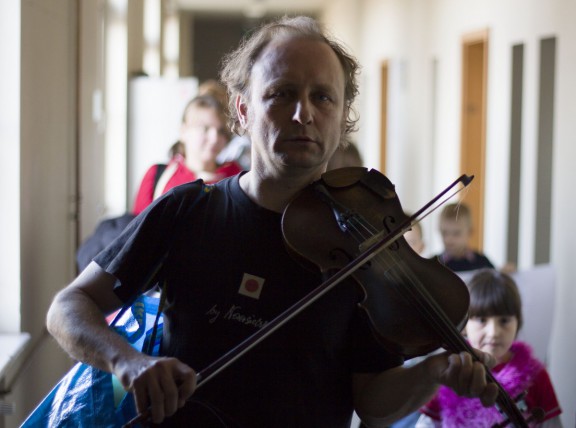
{"points": [[563, 208], [48, 73], [92, 120], [424, 138], [155, 106], [10, 167]]}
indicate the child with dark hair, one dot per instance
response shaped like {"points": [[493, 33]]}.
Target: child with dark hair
{"points": [[495, 317]]}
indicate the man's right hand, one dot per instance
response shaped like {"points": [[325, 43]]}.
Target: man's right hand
{"points": [[77, 320], [160, 385]]}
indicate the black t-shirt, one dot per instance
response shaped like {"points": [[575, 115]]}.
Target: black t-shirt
{"points": [[228, 275]]}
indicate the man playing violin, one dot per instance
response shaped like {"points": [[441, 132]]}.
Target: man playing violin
{"points": [[229, 274]]}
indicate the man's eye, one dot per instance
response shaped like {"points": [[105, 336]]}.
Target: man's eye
{"points": [[324, 97]]}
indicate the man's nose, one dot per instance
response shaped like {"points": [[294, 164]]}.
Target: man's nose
{"points": [[303, 112]]}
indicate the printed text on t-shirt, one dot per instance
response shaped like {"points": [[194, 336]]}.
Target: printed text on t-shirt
{"points": [[234, 313]]}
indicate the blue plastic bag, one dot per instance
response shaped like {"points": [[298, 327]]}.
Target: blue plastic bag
{"points": [[89, 397]]}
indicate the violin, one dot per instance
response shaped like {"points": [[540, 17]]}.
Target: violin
{"points": [[350, 223], [342, 214], [414, 305]]}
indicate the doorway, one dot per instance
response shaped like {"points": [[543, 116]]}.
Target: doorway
{"points": [[473, 122], [383, 115]]}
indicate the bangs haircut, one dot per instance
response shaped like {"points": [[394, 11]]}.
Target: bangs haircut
{"points": [[494, 294]]}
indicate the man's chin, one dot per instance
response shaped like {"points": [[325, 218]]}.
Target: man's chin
{"points": [[302, 162]]}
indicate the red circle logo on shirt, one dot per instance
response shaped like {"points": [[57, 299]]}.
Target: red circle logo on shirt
{"points": [[251, 285]]}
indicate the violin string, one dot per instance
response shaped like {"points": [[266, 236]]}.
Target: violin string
{"points": [[425, 303], [359, 226], [419, 295]]}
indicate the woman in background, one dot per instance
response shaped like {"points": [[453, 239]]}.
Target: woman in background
{"points": [[203, 134]]}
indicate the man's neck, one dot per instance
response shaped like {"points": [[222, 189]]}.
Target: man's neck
{"points": [[273, 193]]}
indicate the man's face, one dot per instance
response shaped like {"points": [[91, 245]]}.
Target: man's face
{"points": [[295, 112], [455, 235], [204, 134]]}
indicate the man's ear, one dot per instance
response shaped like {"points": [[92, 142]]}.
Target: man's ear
{"points": [[242, 111], [343, 124]]}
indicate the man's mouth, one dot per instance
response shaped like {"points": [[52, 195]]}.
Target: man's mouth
{"points": [[304, 138]]}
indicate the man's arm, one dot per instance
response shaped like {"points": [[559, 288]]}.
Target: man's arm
{"points": [[385, 397], [76, 319]]}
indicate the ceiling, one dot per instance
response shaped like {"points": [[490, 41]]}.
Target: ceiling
{"points": [[252, 7]]}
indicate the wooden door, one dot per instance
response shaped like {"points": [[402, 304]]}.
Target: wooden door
{"points": [[383, 115], [473, 137]]}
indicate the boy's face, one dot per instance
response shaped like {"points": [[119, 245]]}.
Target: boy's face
{"points": [[455, 236]]}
